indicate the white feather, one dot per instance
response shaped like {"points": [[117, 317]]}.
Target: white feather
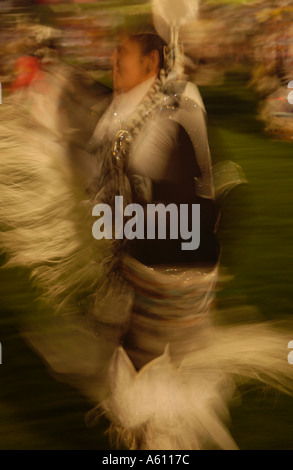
{"points": [[176, 12]]}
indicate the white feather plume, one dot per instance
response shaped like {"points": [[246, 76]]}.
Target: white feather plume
{"points": [[176, 12], [169, 15]]}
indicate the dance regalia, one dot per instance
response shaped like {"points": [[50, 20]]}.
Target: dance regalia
{"points": [[172, 376], [136, 338]]}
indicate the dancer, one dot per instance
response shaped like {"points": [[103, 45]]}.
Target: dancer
{"points": [[172, 377]]}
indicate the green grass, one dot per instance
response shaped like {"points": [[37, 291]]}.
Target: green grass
{"points": [[256, 234], [257, 219]]}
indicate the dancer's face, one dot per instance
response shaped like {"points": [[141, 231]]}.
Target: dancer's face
{"points": [[130, 66]]}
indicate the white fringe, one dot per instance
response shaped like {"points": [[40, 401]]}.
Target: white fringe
{"points": [[163, 407], [45, 225]]}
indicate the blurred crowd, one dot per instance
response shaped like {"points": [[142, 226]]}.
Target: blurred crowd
{"points": [[273, 68]]}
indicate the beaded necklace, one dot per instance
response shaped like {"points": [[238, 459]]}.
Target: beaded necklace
{"points": [[130, 127]]}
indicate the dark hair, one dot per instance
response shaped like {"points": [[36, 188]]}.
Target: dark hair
{"points": [[150, 42]]}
